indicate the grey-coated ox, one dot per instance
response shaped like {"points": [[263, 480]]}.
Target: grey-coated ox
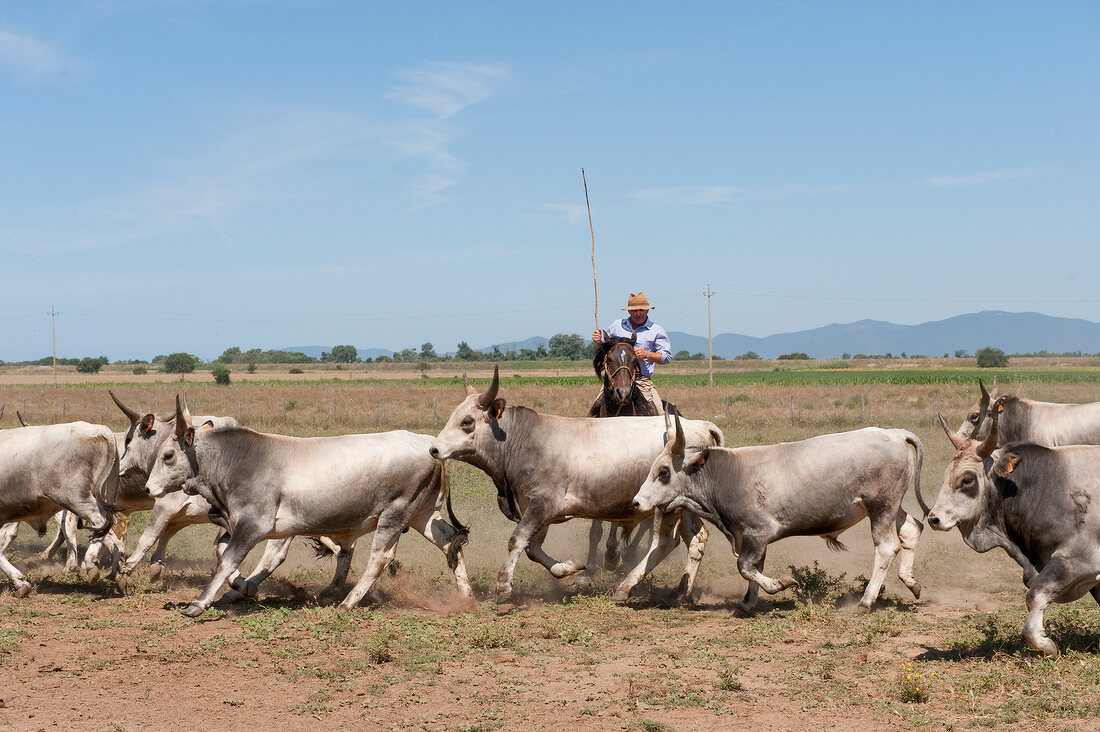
{"points": [[1040, 504], [272, 486], [550, 469], [171, 513], [43, 470], [816, 487], [1023, 420]]}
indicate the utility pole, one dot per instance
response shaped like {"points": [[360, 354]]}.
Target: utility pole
{"points": [[710, 344], [53, 328]]}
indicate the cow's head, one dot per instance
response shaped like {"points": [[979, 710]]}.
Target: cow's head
{"points": [[976, 424], [175, 462], [671, 473], [142, 441], [969, 476], [471, 421]]}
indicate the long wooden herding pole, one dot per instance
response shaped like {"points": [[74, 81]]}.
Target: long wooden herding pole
{"points": [[595, 289]]}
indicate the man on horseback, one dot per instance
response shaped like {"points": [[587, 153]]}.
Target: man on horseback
{"points": [[652, 346]]}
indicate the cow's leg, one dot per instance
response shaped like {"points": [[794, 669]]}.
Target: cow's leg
{"points": [[536, 553], [665, 539], [887, 545], [695, 534], [1095, 592], [66, 536], [435, 529], [233, 551], [93, 516], [750, 562], [274, 554], [116, 541], [535, 519], [1048, 585], [170, 514], [340, 576], [612, 558], [383, 547], [909, 533], [7, 534]]}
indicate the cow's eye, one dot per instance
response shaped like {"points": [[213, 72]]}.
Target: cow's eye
{"points": [[662, 474], [169, 457], [467, 422], [968, 483], [973, 418]]}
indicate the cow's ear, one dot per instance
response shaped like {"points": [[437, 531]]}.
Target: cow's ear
{"points": [[146, 423], [1005, 464], [208, 424], [496, 408], [189, 437], [698, 462]]}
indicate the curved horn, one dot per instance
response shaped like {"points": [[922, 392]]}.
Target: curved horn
{"points": [[487, 398], [986, 448], [22, 419], [956, 440], [466, 383], [679, 441], [183, 417], [985, 394], [130, 413]]}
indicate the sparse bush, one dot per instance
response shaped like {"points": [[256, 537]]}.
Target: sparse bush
{"points": [[748, 356], [251, 368], [296, 370], [815, 586], [795, 356], [140, 371], [91, 365], [221, 375]]}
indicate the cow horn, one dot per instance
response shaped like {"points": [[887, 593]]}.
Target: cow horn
{"points": [[986, 448], [1, 411], [466, 383], [487, 398], [183, 417], [956, 440], [678, 441], [985, 394], [22, 419], [131, 414]]}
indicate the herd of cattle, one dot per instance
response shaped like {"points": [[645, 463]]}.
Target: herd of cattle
{"points": [[1025, 477]]}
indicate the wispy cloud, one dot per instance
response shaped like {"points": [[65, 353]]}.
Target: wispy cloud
{"points": [[444, 89], [978, 179], [29, 58], [725, 195]]}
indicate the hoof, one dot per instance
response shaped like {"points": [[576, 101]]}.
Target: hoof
{"points": [[156, 571], [504, 594], [93, 574], [620, 596], [23, 590], [564, 569], [611, 562], [124, 585], [328, 596], [787, 581], [915, 589], [193, 610], [744, 611], [234, 596], [863, 609]]}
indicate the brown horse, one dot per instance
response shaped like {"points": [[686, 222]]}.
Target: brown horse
{"points": [[619, 368]]}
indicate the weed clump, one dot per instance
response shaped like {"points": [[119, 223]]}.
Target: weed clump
{"points": [[815, 585]]}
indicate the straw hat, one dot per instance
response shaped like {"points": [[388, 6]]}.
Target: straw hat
{"points": [[637, 302]]}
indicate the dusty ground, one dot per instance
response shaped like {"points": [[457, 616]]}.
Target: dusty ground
{"points": [[416, 657]]}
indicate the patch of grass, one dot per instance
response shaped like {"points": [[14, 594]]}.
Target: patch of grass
{"points": [[378, 647], [913, 685], [815, 585]]}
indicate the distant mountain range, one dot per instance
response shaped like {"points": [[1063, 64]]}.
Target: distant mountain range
{"points": [[1010, 332]]}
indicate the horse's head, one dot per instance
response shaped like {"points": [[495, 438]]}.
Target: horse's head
{"points": [[616, 363]]}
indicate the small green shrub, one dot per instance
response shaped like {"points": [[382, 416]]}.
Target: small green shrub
{"points": [[221, 375], [815, 586], [296, 370]]}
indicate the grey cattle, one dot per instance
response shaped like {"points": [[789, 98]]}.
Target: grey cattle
{"points": [[70, 466], [1024, 420], [816, 487], [272, 486], [1040, 504], [549, 469], [169, 514]]}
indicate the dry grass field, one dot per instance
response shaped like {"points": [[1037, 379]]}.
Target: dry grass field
{"points": [[560, 656]]}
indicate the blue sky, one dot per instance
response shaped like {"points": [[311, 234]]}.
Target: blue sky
{"points": [[190, 176]]}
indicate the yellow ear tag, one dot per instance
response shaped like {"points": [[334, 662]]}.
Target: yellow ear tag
{"points": [[1000, 408], [1011, 467], [206, 426]]}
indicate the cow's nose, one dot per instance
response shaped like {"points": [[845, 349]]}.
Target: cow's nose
{"points": [[637, 505], [934, 520], [433, 451]]}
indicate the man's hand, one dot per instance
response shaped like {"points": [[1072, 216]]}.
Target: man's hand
{"points": [[597, 337], [640, 352]]}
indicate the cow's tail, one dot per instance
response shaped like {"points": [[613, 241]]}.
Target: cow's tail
{"points": [[321, 550], [105, 482], [462, 532], [919, 450]]}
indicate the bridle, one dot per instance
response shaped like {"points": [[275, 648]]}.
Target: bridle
{"points": [[611, 372]]}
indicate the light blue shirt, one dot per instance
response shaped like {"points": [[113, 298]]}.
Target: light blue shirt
{"points": [[651, 337]]}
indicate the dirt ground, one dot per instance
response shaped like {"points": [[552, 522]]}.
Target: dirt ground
{"points": [[415, 656]]}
